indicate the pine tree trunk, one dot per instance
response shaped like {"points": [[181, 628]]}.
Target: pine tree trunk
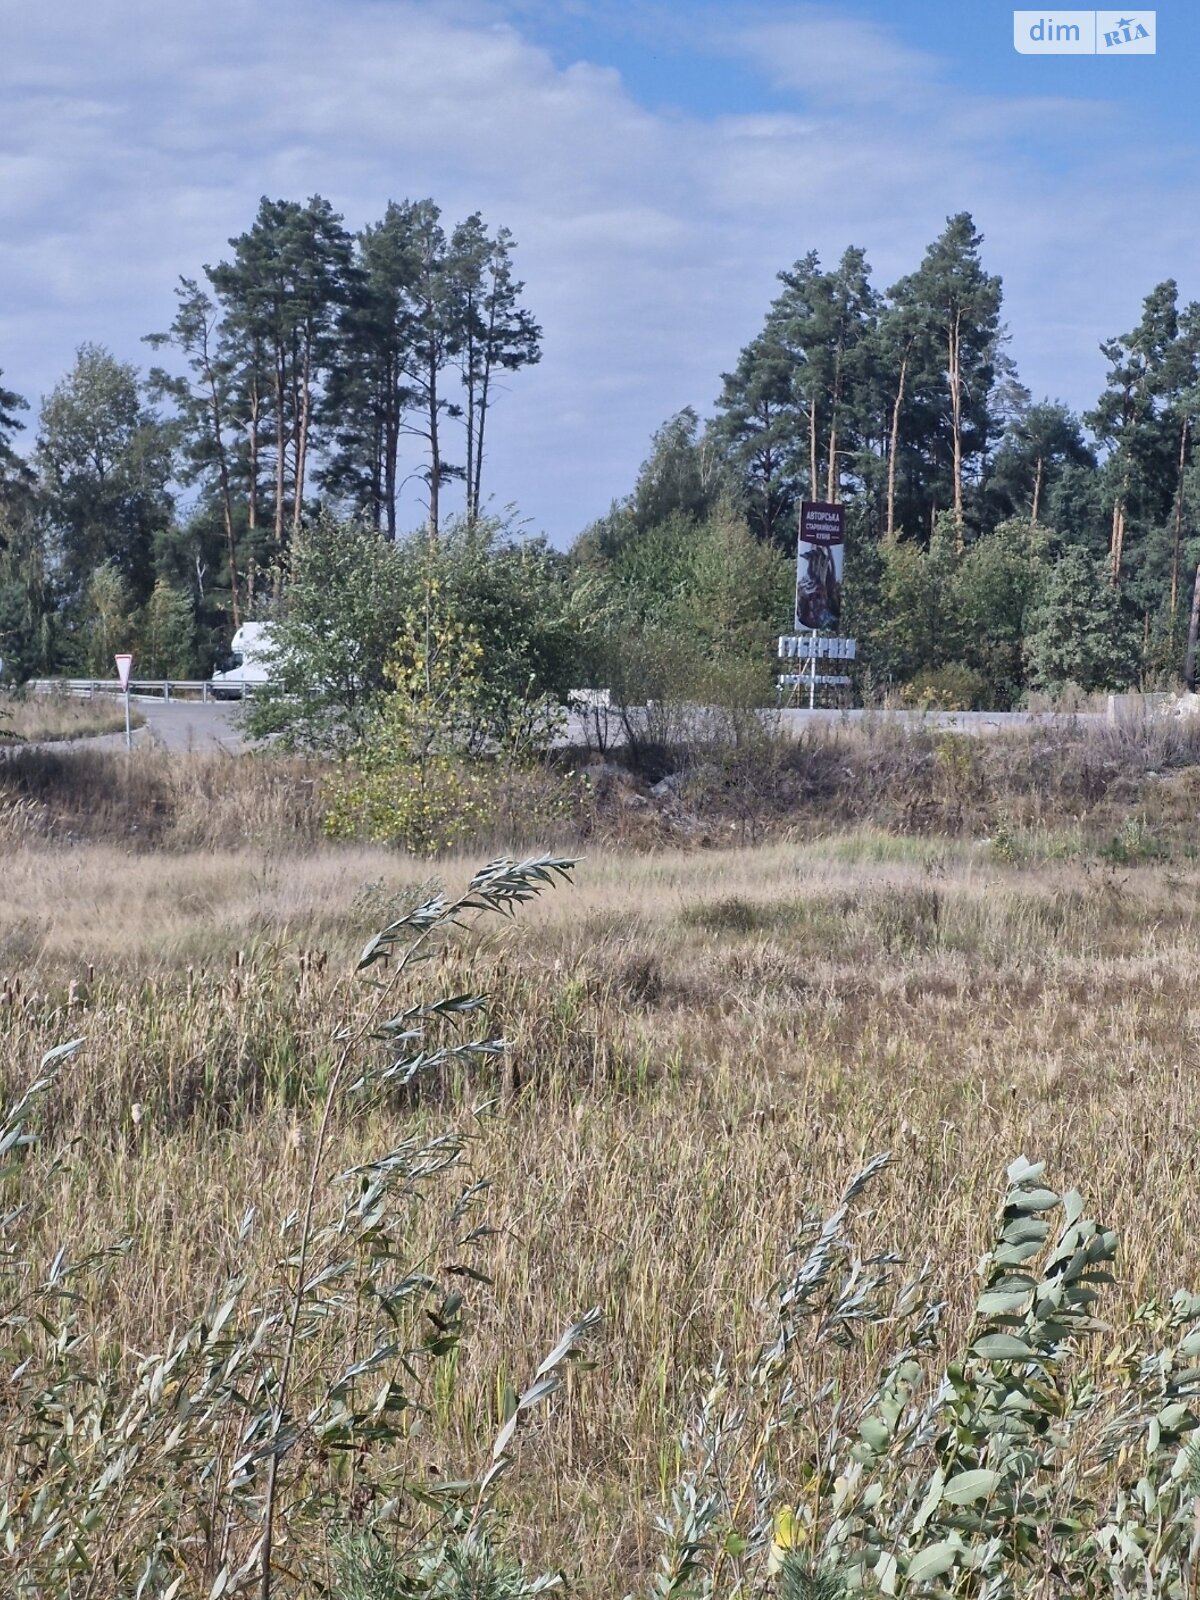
{"points": [[302, 426], [378, 456], [954, 353], [814, 476], [378, 453], [831, 473], [392, 421], [252, 465], [435, 464], [1177, 532], [280, 446], [391, 450], [1037, 491], [222, 455], [485, 384], [893, 446], [1117, 543], [768, 463], [472, 508], [226, 506]]}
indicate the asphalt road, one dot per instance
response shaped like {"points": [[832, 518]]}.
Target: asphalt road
{"points": [[180, 725], [188, 725], [185, 725]]}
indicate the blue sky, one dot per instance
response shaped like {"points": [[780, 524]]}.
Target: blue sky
{"points": [[658, 164]]}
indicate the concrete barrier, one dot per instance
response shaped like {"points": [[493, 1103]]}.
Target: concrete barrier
{"points": [[1126, 709]]}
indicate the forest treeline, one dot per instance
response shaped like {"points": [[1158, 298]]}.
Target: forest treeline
{"points": [[310, 365], [996, 543]]}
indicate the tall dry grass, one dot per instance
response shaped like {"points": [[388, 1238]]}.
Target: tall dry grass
{"points": [[1063, 791], [51, 717], [704, 1044]]}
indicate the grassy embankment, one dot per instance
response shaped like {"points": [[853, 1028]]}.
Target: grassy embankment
{"points": [[704, 1044], [48, 718]]}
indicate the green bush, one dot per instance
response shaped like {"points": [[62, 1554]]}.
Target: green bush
{"points": [[953, 687], [1134, 844], [1077, 633], [1049, 1449]]}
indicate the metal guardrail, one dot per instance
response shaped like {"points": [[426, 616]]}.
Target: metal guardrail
{"points": [[139, 688]]}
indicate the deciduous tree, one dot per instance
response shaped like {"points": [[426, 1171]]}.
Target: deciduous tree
{"points": [[108, 619], [104, 461], [347, 592], [166, 634]]}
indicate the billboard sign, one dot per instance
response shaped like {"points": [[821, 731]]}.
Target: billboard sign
{"points": [[820, 560], [810, 647]]}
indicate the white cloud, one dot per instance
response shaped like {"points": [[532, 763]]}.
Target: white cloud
{"points": [[137, 139], [825, 55]]}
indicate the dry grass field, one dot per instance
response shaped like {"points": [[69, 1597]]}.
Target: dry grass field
{"points": [[705, 1044], [51, 717]]}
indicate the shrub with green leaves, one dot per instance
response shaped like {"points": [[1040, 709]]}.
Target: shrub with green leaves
{"points": [[443, 749], [1077, 632], [1054, 1454], [410, 779]]}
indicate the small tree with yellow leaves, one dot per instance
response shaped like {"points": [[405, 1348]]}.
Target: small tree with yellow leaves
{"points": [[411, 780]]}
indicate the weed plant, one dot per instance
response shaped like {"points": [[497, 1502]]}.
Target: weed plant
{"points": [[1045, 1456]]}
